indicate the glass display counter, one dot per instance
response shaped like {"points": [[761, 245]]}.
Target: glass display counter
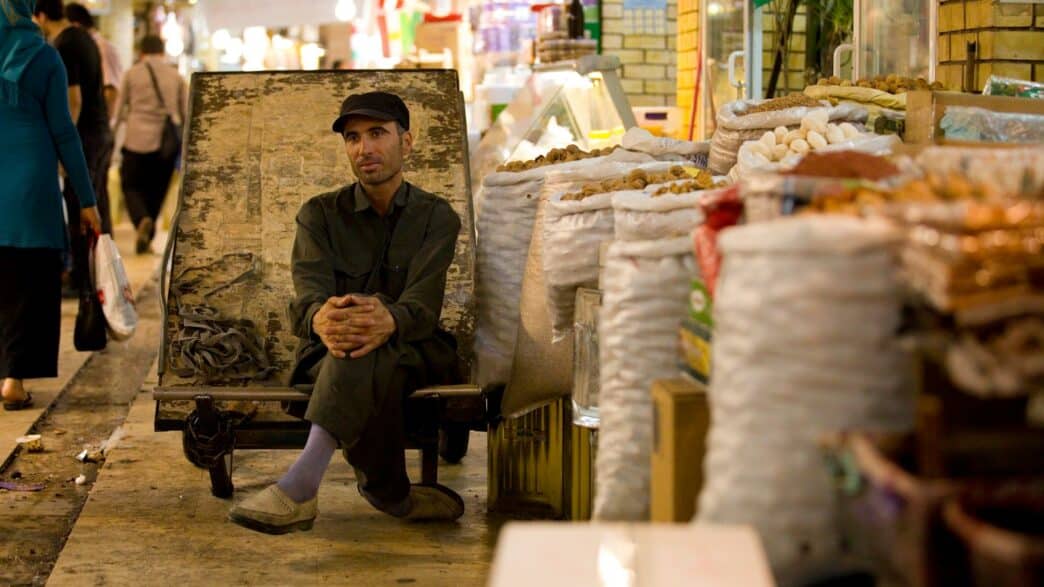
{"points": [[578, 103]]}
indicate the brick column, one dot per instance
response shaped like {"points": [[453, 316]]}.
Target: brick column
{"points": [[648, 60], [1009, 39], [688, 47]]}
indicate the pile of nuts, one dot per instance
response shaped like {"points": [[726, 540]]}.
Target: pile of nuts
{"points": [[892, 83], [570, 153], [702, 181], [635, 180], [783, 103]]}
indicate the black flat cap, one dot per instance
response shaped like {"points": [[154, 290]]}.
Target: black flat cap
{"points": [[379, 105]]}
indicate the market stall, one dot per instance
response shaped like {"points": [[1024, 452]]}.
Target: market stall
{"points": [[853, 318]]}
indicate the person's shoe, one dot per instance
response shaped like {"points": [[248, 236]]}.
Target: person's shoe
{"points": [[19, 404], [434, 503], [144, 241], [273, 512]]}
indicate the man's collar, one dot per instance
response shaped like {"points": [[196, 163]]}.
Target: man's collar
{"points": [[362, 202]]}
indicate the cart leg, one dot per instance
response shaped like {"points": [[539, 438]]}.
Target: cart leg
{"points": [[430, 463], [221, 477], [221, 473]]}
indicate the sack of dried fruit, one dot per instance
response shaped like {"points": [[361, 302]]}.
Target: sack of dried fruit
{"points": [[745, 120], [645, 295], [660, 211], [806, 312], [578, 219], [505, 228], [780, 148]]}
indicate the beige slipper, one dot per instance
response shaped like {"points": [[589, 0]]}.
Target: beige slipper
{"points": [[273, 512], [434, 503]]}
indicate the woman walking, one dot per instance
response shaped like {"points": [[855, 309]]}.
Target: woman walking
{"points": [[38, 132], [151, 92]]}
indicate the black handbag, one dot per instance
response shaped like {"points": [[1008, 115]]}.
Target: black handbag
{"points": [[89, 334], [170, 141]]}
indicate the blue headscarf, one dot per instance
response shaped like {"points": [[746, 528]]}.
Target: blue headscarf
{"points": [[20, 41]]}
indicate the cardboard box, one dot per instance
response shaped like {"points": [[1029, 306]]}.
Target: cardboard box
{"points": [[924, 110], [681, 418]]}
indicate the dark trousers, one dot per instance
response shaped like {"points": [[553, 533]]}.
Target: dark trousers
{"points": [[30, 312], [360, 402], [145, 178], [97, 148]]}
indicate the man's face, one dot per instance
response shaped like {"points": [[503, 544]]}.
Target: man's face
{"points": [[375, 148]]}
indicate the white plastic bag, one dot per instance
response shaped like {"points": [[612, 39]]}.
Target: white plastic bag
{"points": [[728, 116], [805, 315], [645, 296], [114, 289], [747, 161]]}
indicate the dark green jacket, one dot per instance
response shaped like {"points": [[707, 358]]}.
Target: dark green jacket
{"points": [[343, 246]]}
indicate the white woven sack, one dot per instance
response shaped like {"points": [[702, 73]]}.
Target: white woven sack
{"points": [[640, 216], [805, 314], [574, 231], [114, 289], [645, 295], [728, 118], [505, 229]]}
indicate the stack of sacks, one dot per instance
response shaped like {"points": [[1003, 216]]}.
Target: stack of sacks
{"points": [[736, 124], [542, 367], [505, 228], [646, 286], [578, 219], [806, 313]]}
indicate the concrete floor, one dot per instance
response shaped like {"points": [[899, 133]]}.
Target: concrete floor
{"points": [[149, 517]]}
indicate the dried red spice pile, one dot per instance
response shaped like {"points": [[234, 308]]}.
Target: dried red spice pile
{"points": [[846, 165]]}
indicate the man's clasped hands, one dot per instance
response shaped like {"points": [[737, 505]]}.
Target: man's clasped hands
{"points": [[353, 325]]}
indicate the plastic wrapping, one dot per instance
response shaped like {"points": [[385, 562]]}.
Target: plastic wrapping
{"points": [[586, 384], [972, 124], [1006, 86], [645, 296], [639, 139], [805, 317], [1012, 171]]}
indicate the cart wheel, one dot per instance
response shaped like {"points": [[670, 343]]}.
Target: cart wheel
{"points": [[221, 477], [453, 442]]}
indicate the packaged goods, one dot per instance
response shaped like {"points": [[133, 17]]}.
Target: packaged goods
{"points": [[645, 294], [575, 225], [1006, 86], [805, 318], [721, 210], [639, 139], [1010, 172], [972, 124], [505, 227]]}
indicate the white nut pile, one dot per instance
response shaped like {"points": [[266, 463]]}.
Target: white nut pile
{"points": [[816, 132]]}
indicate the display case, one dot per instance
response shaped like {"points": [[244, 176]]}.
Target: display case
{"points": [[578, 103]]}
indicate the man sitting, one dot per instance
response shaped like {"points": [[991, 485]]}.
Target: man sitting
{"points": [[369, 268]]}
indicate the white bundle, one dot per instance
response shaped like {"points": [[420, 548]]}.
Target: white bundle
{"points": [[805, 315], [574, 231], [645, 295], [639, 139]]}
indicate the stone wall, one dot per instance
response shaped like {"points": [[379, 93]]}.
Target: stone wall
{"points": [[649, 65], [1009, 39]]}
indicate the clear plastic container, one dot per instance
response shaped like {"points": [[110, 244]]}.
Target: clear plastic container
{"points": [[585, 358]]}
